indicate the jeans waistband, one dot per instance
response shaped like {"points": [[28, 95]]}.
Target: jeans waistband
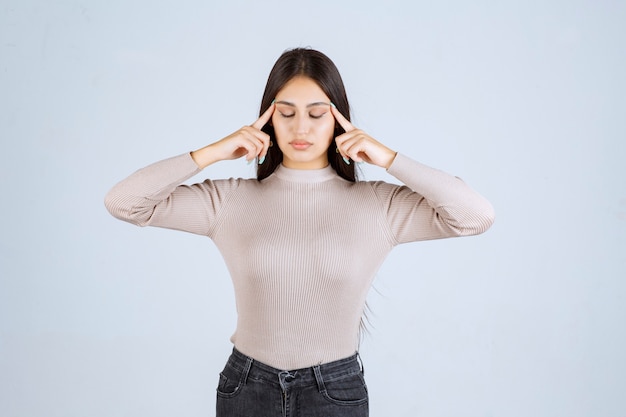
{"points": [[314, 375]]}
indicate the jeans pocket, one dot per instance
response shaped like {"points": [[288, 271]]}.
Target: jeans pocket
{"points": [[347, 390], [230, 383]]}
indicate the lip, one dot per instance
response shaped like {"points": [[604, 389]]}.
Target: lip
{"points": [[300, 145]]}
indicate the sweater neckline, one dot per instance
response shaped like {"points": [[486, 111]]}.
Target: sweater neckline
{"points": [[305, 175]]}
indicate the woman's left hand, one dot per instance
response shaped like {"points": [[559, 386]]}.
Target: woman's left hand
{"points": [[359, 146]]}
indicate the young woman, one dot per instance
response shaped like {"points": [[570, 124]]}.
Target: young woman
{"points": [[303, 240]]}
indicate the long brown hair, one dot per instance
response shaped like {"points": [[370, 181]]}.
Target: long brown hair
{"points": [[318, 67]]}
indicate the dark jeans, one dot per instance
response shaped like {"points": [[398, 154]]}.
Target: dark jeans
{"points": [[248, 388]]}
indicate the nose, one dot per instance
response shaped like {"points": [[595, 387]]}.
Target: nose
{"points": [[301, 126]]}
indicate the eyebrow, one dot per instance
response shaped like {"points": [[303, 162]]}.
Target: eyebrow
{"points": [[317, 103]]}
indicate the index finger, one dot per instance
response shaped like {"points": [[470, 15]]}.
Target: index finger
{"points": [[265, 117], [343, 122]]}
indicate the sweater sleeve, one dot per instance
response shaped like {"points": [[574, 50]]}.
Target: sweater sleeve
{"points": [[154, 196], [431, 204]]}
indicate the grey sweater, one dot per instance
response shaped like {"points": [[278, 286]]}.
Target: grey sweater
{"points": [[302, 246]]}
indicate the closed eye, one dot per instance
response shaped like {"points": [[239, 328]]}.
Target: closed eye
{"points": [[287, 115], [317, 116]]}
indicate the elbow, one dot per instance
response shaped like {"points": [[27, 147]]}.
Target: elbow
{"points": [[109, 203], [472, 222], [481, 221], [114, 205], [121, 209], [488, 218]]}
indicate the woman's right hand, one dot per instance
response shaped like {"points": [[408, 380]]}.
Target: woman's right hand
{"points": [[249, 141]]}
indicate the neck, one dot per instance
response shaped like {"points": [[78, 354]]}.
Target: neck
{"points": [[316, 164], [305, 175]]}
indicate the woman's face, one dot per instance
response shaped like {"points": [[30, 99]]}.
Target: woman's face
{"points": [[303, 123]]}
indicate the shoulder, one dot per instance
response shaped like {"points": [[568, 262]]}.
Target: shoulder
{"points": [[225, 185], [385, 193], [374, 190], [376, 186]]}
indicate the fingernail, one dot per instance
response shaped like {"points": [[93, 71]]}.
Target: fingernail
{"points": [[346, 160], [333, 104], [272, 102], [249, 162], [261, 160]]}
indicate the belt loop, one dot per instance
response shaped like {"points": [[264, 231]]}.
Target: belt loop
{"points": [[358, 357], [318, 377], [246, 370]]}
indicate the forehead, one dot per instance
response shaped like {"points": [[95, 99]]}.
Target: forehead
{"points": [[302, 90]]}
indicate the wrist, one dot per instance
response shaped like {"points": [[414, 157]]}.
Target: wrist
{"points": [[391, 156], [203, 157]]}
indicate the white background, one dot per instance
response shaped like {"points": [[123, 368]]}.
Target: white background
{"points": [[525, 100]]}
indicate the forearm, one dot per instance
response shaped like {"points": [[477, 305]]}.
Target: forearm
{"points": [[205, 156]]}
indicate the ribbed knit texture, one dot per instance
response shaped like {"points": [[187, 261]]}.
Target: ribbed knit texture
{"points": [[302, 246]]}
